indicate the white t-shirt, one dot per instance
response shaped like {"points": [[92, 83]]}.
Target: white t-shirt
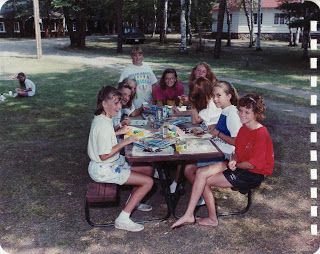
{"points": [[145, 78], [210, 115], [229, 121], [124, 111], [101, 139], [29, 84]]}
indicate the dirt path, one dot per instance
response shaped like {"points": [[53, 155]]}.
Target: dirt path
{"points": [[276, 88]]}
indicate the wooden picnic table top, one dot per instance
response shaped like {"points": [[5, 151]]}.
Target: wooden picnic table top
{"points": [[178, 157]]}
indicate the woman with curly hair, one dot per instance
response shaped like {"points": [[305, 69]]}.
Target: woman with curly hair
{"points": [[203, 70]]}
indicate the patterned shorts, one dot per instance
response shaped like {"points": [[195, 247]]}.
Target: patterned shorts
{"points": [[117, 172]]}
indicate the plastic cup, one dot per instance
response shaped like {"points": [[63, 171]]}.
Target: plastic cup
{"points": [[181, 146]]}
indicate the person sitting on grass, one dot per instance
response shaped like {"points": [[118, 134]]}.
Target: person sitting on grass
{"points": [[27, 87], [253, 160], [168, 90], [107, 165], [226, 130], [128, 108]]}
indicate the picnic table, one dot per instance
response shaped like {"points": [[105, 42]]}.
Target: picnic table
{"points": [[163, 163]]}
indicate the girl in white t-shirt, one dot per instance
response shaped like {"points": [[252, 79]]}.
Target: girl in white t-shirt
{"points": [[203, 107], [107, 165]]}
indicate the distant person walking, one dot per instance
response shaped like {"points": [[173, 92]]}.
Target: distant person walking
{"points": [[27, 87], [143, 75]]}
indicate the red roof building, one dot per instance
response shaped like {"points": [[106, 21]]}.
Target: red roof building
{"points": [[273, 26]]}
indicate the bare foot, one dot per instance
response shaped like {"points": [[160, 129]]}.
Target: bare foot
{"points": [[184, 220], [207, 222]]}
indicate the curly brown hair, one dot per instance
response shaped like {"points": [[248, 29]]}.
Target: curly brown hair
{"points": [[210, 75], [201, 93], [256, 103]]}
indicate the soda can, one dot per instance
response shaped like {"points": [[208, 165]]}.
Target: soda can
{"points": [[169, 109], [159, 114], [164, 112]]}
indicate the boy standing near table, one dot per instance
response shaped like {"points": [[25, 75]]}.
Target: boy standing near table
{"points": [[143, 75]]}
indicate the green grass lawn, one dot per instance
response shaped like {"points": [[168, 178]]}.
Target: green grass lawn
{"points": [[277, 64]]}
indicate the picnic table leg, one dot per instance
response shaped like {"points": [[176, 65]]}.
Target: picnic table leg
{"points": [[165, 186], [180, 188]]}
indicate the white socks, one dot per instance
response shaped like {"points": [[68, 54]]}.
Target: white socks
{"points": [[173, 186], [123, 216]]}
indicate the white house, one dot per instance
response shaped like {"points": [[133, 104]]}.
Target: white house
{"points": [[273, 24]]}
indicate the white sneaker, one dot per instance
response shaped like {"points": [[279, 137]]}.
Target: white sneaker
{"points": [[201, 202], [144, 207], [128, 225], [156, 174], [14, 95], [173, 187]]}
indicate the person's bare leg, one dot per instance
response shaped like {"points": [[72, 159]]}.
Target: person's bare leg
{"points": [[197, 190], [22, 93], [145, 170], [211, 220], [143, 185], [190, 172], [217, 180]]}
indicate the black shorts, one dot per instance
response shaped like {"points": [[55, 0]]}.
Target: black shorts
{"points": [[243, 179]]}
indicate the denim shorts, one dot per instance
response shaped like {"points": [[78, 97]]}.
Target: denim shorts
{"points": [[203, 163], [117, 172]]}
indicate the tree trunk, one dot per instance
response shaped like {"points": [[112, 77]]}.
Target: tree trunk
{"points": [[248, 19], [217, 46], [291, 42], [154, 19], [81, 29], [251, 44], [183, 28], [297, 36], [69, 24], [47, 30], [229, 24], [258, 47], [305, 43], [119, 25], [163, 23], [306, 36], [200, 47], [189, 34]]}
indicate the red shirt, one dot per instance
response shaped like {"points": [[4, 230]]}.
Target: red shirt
{"points": [[169, 93], [255, 147]]}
